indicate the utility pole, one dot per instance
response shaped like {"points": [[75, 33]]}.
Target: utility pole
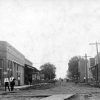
{"points": [[86, 71], [96, 44]]}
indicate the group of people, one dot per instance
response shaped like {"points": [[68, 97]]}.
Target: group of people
{"points": [[9, 83]]}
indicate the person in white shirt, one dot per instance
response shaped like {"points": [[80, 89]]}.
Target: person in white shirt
{"points": [[11, 79], [6, 82]]}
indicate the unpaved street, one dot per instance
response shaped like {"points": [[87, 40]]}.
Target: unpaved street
{"points": [[64, 88]]}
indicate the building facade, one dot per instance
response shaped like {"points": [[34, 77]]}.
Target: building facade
{"points": [[82, 69], [91, 64], [85, 67], [12, 63], [95, 67], [28, 70], [31, 74]]}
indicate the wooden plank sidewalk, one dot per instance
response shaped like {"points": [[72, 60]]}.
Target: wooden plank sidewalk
{"points": [[58, 97]]}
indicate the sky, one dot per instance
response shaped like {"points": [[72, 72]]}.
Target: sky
{"points": [[51, 30]]}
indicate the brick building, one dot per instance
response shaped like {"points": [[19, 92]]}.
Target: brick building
{"points": [[12, 63]]}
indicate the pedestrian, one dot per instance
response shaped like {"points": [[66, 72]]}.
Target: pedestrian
{"points": [[6, 82], [84, 79], [12, 84], [11, 79]]}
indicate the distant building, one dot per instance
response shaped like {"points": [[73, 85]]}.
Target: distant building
{"points": [[85, 68], [92, 62], [97, 58], [95, 67], [82, 69], [29, 72]]}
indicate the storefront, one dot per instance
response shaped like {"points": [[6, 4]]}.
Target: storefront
{"points": [[11, 63]]}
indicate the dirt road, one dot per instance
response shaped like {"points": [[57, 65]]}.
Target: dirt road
{"points": [[64, 88]]}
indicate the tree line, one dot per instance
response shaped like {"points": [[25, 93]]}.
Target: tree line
{"points": [[48, 70]]}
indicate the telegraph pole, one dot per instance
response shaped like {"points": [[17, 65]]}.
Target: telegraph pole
{"points": [[96, 44]]}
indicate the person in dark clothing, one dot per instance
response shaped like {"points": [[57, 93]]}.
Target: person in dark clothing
{"points": [[7, 85], [12, 84]]}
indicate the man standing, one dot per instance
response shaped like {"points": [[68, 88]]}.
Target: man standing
{"points": [[11, 80], [6, 82], [12, 84]]}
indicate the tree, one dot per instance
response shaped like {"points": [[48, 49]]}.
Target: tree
{"points": [[73, 72], [48, 70]]}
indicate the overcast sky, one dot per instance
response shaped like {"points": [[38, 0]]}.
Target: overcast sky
{"points": [[51, 30]]}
